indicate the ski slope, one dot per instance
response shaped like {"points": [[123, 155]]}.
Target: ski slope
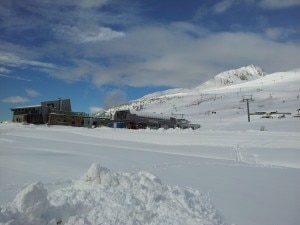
{"points": [[274, 92]]}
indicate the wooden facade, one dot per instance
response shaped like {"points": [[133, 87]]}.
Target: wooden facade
{"points": [[48, 107], [28, 114], [66, 119], [39, 114]]}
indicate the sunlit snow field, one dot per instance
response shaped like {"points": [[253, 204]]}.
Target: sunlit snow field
{"points": [[251, 177], [227, 172]]}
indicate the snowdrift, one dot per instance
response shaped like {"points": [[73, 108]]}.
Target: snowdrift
{"points": [[101, 196]]}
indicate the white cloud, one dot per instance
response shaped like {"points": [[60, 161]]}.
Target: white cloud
{"points": [[114, 98], [278, 4], [95, 109], [88, 3], [274, 33], [15, 99], [277, 33], [80, 20], [13, 60], [103, 34], [223, 6], [13, 77], [31, 92], [81, 70], [179, 56], [72, 33], [4, 70]]}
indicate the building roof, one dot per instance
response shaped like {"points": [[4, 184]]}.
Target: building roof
{"points": [[25, 107], [35, 106], [56, 100]]}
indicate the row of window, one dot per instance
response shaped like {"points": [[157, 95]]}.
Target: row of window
{"points": [[27, 109]]}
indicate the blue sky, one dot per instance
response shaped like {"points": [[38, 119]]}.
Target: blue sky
{"points": [[100, 53]]}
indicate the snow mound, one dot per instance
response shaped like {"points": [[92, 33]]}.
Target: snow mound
{"points": [[101, 196], [231, 77], [32, 200], [30, 206], [97, 174]]}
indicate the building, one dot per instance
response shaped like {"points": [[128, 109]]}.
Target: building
{"points": [[66, 118], [92, 121], [39, 114], [63, 105], [141, 120], [57, 112], [27, 114]]}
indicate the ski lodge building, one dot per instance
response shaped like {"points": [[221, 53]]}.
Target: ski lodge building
{"points": [[56, 112], [51, 112]]}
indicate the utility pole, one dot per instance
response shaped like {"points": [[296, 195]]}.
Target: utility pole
{"points": [[247, 98], [248, 110]]}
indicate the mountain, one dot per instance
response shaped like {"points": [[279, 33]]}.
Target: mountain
{"points": [[158, 94], [231, 77], [217, 99]]}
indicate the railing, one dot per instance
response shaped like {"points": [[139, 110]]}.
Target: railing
{"points": [[67, 113]]}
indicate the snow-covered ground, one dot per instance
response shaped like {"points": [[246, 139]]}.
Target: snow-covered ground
{"points": [[251, 176], [227, 172]]}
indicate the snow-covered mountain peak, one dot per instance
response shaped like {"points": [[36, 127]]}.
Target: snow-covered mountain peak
{"points": [[244, 73], [231, 77]]}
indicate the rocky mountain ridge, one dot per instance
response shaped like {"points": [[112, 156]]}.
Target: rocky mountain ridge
{"points": [[234, 76]]}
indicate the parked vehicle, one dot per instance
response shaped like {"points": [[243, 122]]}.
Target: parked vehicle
{"points": [[185, 124]]}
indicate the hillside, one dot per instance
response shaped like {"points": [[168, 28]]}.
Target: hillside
{"points": [[273, 92]]}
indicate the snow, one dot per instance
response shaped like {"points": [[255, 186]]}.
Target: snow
{"points": [[227, 172], [104, 197], [231, 77], [164, 93]]}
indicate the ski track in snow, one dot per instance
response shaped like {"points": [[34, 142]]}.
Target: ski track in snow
{"points": [[233, 149], [235, 153]]}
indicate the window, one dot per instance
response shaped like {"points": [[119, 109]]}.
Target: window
{"points": [[50, 105]]}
